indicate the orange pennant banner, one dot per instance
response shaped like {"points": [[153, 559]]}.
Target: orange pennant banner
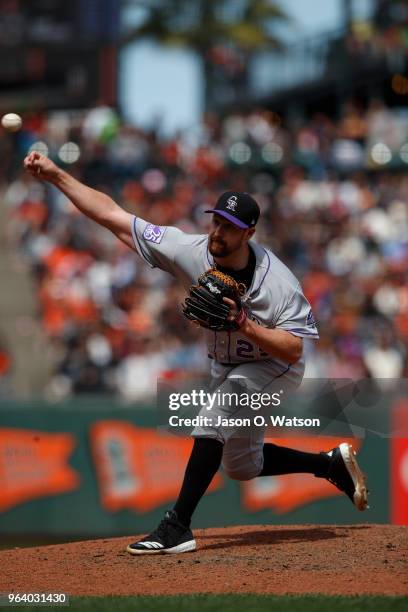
{"points": [[34, 464], [399, 464], [139, 468], [289, 491]]}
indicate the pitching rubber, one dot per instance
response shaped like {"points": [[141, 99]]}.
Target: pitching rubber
{"points": [[359, 479]]}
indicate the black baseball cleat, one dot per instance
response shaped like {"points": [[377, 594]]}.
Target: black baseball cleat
{"points": [[171, 536], [345, 473]]}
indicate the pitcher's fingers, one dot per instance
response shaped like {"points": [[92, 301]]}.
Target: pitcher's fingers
{"points": [[229, 302], [34, 156], [30, 164], [28, 161]]}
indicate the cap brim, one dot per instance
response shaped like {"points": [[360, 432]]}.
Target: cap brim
{"points": [[229, 217]]}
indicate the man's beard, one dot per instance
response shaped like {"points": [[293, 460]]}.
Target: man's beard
{"points": [[218, 249]]}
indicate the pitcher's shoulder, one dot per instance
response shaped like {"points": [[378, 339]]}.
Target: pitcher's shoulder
{"points": [[275, 270]]}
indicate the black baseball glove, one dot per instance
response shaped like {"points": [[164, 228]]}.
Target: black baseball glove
{"points": [[205, 305]]}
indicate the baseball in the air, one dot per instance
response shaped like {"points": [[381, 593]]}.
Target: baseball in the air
{"points": [[11, 122]]}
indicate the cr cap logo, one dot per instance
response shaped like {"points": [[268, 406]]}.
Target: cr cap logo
{"points": [[232, 203]]}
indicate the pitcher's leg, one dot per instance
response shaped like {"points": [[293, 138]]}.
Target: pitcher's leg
{"points": [[282, 460], [204, 462], [173, 535], [339, 466]]}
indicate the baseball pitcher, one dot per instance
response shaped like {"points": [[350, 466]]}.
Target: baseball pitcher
{"points": [[255, 317]]}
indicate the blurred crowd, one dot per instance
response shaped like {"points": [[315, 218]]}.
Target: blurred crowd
{"points": [[334, 200], [384, 36]]}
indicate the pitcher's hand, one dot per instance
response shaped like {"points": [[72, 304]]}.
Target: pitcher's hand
{"points": [[40, 166], [238, 314]]}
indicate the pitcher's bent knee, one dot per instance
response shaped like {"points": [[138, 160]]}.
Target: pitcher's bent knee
{"points": [[243, 474], [244, 471]]}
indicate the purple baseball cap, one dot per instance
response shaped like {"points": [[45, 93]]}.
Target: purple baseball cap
{"points": [[238, 207]]}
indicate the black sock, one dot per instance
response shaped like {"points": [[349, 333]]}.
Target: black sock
{"points": [[282, 460], [205, 459]]}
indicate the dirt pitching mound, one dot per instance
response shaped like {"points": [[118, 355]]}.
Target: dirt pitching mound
{"points": [[331, 559]]}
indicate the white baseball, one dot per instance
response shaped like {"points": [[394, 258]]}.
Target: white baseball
{"points": [[11, 122]]}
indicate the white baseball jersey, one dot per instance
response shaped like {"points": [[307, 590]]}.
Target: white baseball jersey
{"points": [[275, 298]]}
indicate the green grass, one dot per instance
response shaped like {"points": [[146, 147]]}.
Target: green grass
{"points": [[237, 603]]}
